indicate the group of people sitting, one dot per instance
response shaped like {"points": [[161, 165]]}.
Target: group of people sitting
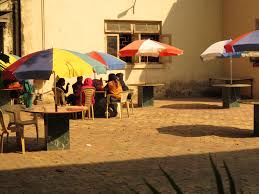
{"points": [[114, 86]]}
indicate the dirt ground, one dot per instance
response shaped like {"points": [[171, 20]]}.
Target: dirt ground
{"points": [[115, 156]]}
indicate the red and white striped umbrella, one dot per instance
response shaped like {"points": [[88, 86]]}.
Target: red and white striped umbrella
{"points": [[149, 48]]}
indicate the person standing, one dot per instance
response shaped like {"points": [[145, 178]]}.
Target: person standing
{"points": [[28, 92]]}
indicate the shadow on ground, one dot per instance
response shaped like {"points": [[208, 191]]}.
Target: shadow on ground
{"points": [[206, 130], [192, 106], [189, 172], [31, 145]]}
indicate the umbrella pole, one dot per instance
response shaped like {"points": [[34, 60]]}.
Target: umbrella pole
{"points": [[231, 69], [55, 91], [146, 72]]}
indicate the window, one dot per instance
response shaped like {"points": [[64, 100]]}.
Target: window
{"points": [[151, 37], [112, 44], [121, 33], [125, 39]]}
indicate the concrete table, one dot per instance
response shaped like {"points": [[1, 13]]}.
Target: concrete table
{"points": [[235, 80], [10, 90], [231, 94], [256, 114], [145, 94], [56, 124]]}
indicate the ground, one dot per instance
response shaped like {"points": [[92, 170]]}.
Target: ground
{"points": [[115, 156]]}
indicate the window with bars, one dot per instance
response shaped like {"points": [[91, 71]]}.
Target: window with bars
{"points": [[121, 33]]}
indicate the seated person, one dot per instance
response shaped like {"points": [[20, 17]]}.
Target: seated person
{"points": [[98, 84], [100, 99], [60, 83], [114, 88], [73, 98], [123, 85], [88, 83], [28, 91]]}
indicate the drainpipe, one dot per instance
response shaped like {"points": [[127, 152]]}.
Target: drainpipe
{"points": [[17, 27], [43, 24]]}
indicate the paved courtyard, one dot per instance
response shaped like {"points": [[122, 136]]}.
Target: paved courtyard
{"points": [[115, 156]]}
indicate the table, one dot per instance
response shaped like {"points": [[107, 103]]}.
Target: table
{"points": [[56, 124], [9, 90], [231, 94], [227, 80], [256, 114], [146, 94]]}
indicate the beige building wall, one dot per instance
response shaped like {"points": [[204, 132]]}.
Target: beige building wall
{"points": [[239, 18], [79, 25]]}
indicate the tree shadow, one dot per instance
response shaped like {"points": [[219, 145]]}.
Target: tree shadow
{"points": [[206, 130], [192, 106], [123, 176]]}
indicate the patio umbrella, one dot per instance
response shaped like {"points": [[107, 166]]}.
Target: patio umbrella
{"points": [[149, 48], [217, 50], [64, 63], [111, 62], [6, 60], [244, 43]]}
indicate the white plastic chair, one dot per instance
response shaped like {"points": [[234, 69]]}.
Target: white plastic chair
{"points": [[119, 104]]}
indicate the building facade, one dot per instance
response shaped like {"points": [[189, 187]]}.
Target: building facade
{"points": [[84, 25]]}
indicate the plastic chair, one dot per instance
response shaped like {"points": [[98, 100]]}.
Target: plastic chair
{"points": [[15, 120], [88, 101], [119, 104], [14, 128]]}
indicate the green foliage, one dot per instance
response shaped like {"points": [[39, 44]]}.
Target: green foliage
{"points": [[218, 177], [171, 181], [232, 187], [153, 189], [219, 182]]}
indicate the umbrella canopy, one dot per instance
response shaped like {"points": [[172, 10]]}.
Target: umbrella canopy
{"points": [[149, 48], [245, 42], [64, 63], [111, 62], [6, 60], [217, 50]]}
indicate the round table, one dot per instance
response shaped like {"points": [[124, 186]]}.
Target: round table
{"points": [[146, 93], [231, 94], [9, 90], [56, 124]]}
